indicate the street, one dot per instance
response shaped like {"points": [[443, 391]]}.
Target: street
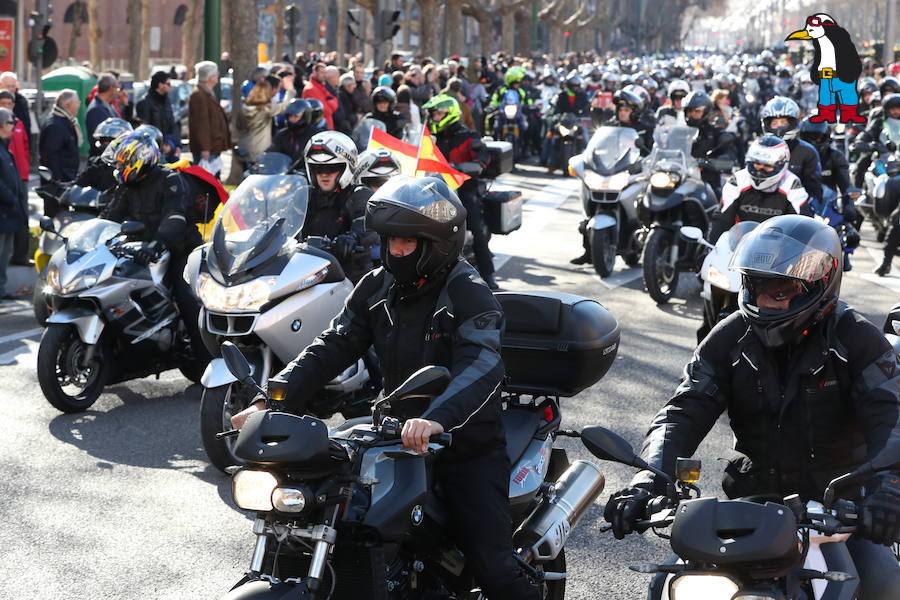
{"points": [[119, 502]]}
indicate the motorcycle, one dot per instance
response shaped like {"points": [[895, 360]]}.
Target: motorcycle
{"points": [[347, 512], [612, 178], [567, 138], [892, 328], [675, 195], [508, 122], [113, 319], [270, 163], [882, 182], [768, 548], [830, 210], [721, 285], [269, 294]]}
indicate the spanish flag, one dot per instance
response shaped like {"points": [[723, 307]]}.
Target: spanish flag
{"points": [[406, 154], [432, 161]]}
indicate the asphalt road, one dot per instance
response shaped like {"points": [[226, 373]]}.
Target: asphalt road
{"points": [[119, 502]]}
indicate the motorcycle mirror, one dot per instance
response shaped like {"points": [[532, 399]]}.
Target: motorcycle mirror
{"points": [[132, 228], [609, 445], [47, 224], [235, 361], [45, 174], [693, 234], [427, 382]]}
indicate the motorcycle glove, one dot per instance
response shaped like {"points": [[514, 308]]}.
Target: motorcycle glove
{"points": [[881, 511], [343, 246], [624, 508], [147, 253]]}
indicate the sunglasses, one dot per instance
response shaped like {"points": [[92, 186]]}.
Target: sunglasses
{"points": [[328, 169]]}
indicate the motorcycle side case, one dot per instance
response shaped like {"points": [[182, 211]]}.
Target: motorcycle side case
{"points": [[503, 211], [501, 159], [556, 344]]}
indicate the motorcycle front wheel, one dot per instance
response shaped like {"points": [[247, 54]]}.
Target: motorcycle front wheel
{"points": [[68, 382], [660, 278], [217, 406], [603, 249]]}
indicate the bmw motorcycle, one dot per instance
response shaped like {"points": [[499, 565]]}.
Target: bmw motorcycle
{"points": [[113, 319], [765, 549], [675, 196], [348, 513], [611, 173], [269, 294]]}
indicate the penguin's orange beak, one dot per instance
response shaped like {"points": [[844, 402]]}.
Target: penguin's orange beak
{"points": [[799, 35]]}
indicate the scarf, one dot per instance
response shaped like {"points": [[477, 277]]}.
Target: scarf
{"points": [[59, 111]]}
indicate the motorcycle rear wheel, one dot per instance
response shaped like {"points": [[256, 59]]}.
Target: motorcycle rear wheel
{"points": [[67, 384], [660, 278], [217, 406], [603, 249]]}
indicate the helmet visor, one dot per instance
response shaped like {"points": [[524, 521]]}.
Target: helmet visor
{"points": [[772, 253]]}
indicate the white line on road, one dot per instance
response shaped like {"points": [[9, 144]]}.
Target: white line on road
{"points": [[21, 335], [24, 351], [890, 282], [622, 274]]}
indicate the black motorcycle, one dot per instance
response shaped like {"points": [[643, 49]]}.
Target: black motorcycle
{"points": [[348, 513], [567, 138], [892, 327]]}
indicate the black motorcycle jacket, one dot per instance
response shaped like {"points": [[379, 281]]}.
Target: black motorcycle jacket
{"points": [[714, 142], [331, 214], [835, 169], [162, 202], [576, 104], [453, 321], [742, 202], [804, 164], [98, 175], [460, 144], [393, 120], [800, 417], [293, 141]]}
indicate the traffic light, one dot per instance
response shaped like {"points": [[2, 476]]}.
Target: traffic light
{"points": [[388, 25], [354, 22], [42, 50], [291, 18]]}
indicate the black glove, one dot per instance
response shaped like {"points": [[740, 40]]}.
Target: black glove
{"points": [[881, 510], [343, 246], [891, 146], [147, 254], [624, 508]]}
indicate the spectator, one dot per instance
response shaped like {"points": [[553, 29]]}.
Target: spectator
{"points": [[10, 82], [316, 88], [300, 63], [208, 126], [346, 87], [418, 89], [255, 120], [256, 75], [410, 112], [454, 90], [18, 147], [225, 64], [361, 101], [61, 138], [12, 197], [720, 116], [154, 109], [101, 107]]}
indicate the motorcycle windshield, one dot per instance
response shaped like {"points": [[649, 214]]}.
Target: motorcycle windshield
{"points": [[511, 97], [891, 131], [672, 147], [84, 236], [612, 148], [79, 197], [273, 163], [737, 233], [362, 133]]}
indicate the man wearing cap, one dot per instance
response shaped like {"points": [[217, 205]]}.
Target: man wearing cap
{"points": [[12, 215], [154, 108]]}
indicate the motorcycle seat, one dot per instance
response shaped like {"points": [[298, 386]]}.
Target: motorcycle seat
{"points": [[520, 425]]}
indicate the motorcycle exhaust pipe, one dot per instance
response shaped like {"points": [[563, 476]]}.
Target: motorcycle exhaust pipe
{"points": [[544, 533]]}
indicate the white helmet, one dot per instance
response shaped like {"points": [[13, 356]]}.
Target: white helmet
{"points": [[375, 166], [331, 148], [774, 155], [678, 85]]}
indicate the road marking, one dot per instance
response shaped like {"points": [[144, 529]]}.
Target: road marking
{"points": [[27, 350], [622, 274], [891, 282], [22, 335]]}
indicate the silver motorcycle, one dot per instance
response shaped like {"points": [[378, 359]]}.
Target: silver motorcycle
{"points": [[113, 318], [270, 295]]}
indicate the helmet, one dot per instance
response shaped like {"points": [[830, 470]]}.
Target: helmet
{"points": [[316, 111], [641, 93], [513, 75], [301, 107], [136, 154], [150, 131], [866, 84], [331, 148], [771, 152], [445, 103], [817, 134], [780, 106], [108, 155], [631, 99], [788, 254], [890, 102], [697, 99], [889, 85], [424, 208], [574, 80], [766, 55], [375, 166], [108, 130], [384, 94], [679, 86], [610, 81]]}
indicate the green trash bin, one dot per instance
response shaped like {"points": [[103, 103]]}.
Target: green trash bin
{"points": [[76, 78]]}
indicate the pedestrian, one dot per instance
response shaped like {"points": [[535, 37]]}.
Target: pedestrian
{"points": [[12, 216], [225, 64], [101, 107], [256, 75], [255, 119], [208, 126], [10, 82], [18, 147], [61, 138], [316, 88], [346, 88], [154, 108], [361, 101]]}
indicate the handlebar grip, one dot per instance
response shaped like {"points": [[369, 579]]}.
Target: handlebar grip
{"points": [[444, 439]]}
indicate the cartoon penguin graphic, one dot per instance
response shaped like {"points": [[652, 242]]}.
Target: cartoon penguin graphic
{"points": [[836, 67]]}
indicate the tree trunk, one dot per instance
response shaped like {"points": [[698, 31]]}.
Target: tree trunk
{"points": [[189, 34], [508, 24], [523, 31], [427, 30], [144, 66], [279, 30], [341, 33], [243, 24], [321, 44], [77, 12], [485, 34], [94, 33], [454, 29], [226, 18], [134, 35], [407, 24]]}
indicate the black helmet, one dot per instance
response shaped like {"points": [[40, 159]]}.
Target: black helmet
{"points": [[817, 134], [696, 99], [790, 254], [108, 130], [384, 93], [630, 99], [301, 107], [574, 80], [316, 111], [424, 208], [890, 102], [889, 85]]}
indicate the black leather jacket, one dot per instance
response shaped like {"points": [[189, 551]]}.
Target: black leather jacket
{"points": [[805, 165], [835, 169], [329, 215], [154, 110], [98, 175]]}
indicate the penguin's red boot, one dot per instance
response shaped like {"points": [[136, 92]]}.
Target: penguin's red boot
{"points": [[848, 114], [826, 114]]}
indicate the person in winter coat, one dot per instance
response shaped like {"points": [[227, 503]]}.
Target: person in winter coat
{"points": [[18, 147], [60, 139], [255, 119], [154, 109], [209, 135], [316, 88], [12, 195]]}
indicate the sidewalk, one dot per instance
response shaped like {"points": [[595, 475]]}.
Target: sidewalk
{"points": [[20, 280]]}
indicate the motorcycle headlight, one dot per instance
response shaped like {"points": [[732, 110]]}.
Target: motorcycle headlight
{"points": [[510, 110], [564, 131], [292, 500], [53, 278], [662, 180], [246, 296], [708, 587], [718, 278], [615, 183], [85, 279], [252, 490]]}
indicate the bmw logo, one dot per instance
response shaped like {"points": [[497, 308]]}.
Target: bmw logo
{"points": [[417, 515], [296, 325]]}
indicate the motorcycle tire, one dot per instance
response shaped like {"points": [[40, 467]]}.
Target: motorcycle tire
{"points": [[603, 249], [879, 237], [632, 253], [58, 358], [42, 308], [660, 279], [193, 371], [217, 405]]}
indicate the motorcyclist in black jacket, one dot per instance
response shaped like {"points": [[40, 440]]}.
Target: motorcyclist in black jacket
{"points": [[337, 203], [426, 306], [891, 112], [384, 100], [711, 141], [296, 134], [99, 171], [630, 113], [781, 117], [812, 390], [160, 198], [572, 99]]}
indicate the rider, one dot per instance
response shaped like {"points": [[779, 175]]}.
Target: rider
{"points": [[425, 291], [336, 202], [891, 114], [677, 91], [292, 139], [375, 167], [99, 173], [781, 117], [712, 141], [384, 100], [812, 390], [764, 188], [160, 198], [572, 99], [465, 151], [630, 113]]}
